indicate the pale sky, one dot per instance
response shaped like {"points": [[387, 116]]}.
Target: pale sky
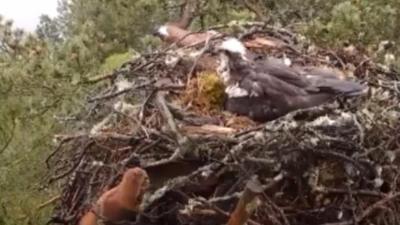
{"points": [[25, 13]]}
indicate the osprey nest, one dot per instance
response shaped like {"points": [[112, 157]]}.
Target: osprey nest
{"points": [[334, 164]]}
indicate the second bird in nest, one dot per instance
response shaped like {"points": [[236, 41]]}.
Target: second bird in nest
{"points": [[267, 89]]}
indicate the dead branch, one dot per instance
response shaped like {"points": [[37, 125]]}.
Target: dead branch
{"points": [[196, 61], [49, 202], [75, 166], [115, 94], [100, 78], [62, 139], [327, 190], [160, 96], [368, 211]]}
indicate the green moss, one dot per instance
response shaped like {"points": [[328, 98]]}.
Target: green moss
{"points": [[211, 88]]}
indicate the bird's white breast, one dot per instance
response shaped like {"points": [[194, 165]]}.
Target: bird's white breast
{"points": [[234, 91], [163, 30]]}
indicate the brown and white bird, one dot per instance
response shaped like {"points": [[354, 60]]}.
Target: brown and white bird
{"points": [[121, 202], [266, 90], [172, 33]]}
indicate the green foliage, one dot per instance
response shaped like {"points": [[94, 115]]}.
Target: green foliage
{"points": [[362, 23], [49, 29], [35, 86], [112, 26], [355, 22], [334, 23], [40, 79], [218, 12]]}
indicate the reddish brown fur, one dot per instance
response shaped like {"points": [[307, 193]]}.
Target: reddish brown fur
{"points": [[88, 219], [125, 196]]}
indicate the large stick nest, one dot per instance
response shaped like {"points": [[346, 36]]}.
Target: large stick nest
{"points": [[333, 164]]}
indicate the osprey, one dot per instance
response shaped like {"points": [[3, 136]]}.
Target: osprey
{"points": [[171, 33], [267, 89]]}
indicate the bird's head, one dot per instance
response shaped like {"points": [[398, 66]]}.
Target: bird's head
{"points": [[232, 56], [161, 31], [233, 47]]}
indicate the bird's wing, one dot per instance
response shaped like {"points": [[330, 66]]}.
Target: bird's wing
{"points": [[263, 84], [277, 69], [324, 72], [282, 96], [336, 86]]}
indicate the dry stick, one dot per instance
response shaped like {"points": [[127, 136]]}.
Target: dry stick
{"points": [[99, 78], [181, 139], [73, 168], [250, 130], [51, 201], [166, 113], [278, 178], [113, 74], [339, 156], [144, 104], [246, 203], [115, 94], [136, 120], [342, 64], [220, 211], [131, 62], [326, 190], [360, 128], [377, 205], [196, 61], [64, 139], [277, 208]]}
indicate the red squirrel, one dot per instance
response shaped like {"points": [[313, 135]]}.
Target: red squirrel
{"points": [[116, 203]]}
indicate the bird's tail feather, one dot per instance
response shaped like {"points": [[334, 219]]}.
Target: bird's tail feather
{"points": [[340, 87]]}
